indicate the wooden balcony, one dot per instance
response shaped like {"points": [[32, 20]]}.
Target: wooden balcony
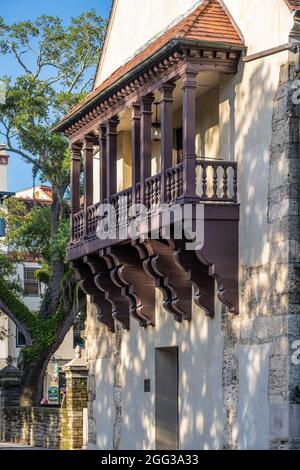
{"points": [[217, 184], [121, 275]]}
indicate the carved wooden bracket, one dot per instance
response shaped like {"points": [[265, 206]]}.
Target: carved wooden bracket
{"points": [[159, 264], [101, 268], [198, 275], [135, 285], [86, 282], [220, 252]]}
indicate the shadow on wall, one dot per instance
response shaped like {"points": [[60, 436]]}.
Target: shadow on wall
{"points": [[204, 407]]}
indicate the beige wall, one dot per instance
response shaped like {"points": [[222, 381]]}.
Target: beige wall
{"points": [[124, 160], [246, 107], [134, 23]]}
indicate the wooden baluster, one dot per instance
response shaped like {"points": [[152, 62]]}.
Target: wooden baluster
{"points": [[204, 181], [129, 200], [225, 182], [147, 195], [159, 190], [168, 185], [173, 186], [180, 180], [177, 183], [235, 176], [121, 202], [215, 182]]}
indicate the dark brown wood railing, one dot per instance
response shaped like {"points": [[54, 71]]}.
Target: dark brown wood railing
{"points": [[216, 183], [218, 180]]}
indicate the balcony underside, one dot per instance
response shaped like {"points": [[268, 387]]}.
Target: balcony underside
{"points": [[121, 276]]}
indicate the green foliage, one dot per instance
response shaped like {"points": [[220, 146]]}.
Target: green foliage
{"points": [[8, 274], [54, 64], [42, 331], [28, 231]]}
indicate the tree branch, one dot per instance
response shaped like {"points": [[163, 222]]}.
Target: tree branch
{"points": [[20, 324]]}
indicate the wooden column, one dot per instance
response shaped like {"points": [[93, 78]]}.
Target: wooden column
{"points": [[102, 152], [136, 147], [189, 134], [111, 157], [166, 143], [146, 141], [88, 149], [76, 150]]}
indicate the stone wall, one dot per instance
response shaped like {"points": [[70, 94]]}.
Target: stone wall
{"points": [[48, 427], [269, 320], [38, 427], [72, 414]]}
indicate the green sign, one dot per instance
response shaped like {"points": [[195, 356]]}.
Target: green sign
{"points": [[53, 394]]}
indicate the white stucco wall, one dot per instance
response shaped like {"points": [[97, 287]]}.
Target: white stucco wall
{"points": [[245, 126], [246, 107], [133, 24], [253, 427], [201, 415]]}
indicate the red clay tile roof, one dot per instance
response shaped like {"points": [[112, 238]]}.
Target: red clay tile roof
{"points": [[210, 22], [293, 4]]}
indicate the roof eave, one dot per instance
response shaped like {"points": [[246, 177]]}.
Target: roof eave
{"points": [[65, 122]]}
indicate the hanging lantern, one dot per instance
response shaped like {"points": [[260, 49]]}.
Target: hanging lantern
{"points": [[156, 131]]}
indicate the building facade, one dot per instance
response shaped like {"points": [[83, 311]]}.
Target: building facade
{"points": [[194, 103]]}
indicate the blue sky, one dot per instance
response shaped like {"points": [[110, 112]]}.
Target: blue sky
{"points": [[19, 172]]}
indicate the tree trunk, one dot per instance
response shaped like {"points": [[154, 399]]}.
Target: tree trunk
{"points": [[33, 373], [53, 294]]}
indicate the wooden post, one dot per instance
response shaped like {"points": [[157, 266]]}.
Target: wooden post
{"points": [[189, 133], [136, 147], [76, 151], [166, 143], [88, 148], [146, 141], [102, 152], [111, 157]]}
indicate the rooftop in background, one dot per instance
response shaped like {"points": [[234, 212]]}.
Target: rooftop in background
{"points": [[38, 194]]}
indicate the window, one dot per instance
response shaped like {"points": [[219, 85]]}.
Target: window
{"points": [[78, 329], [20, 338], [31, 284], [77, 339]]}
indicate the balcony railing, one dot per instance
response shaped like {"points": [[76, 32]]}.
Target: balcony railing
{"points": [[216, 183]]}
